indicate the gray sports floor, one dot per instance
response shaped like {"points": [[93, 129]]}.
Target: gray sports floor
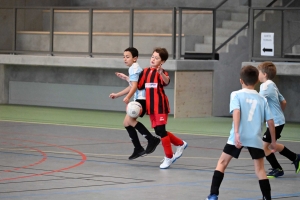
{"points": [[56, 161]]}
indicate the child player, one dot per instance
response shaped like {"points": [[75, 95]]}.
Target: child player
{"points": [[277, 103], [131, 124], [249, 110], [153, 79]]}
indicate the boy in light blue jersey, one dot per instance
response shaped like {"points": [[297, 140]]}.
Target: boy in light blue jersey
{"points": [[131, 124], [277, 103], [249, 111]]}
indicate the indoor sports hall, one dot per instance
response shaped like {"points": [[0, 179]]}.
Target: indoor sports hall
{"points": [[62, 136], [55, 153]]}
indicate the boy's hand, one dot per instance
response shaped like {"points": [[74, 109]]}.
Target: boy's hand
{"points": [[113, 96], [126, 100], [273, 147], [237, 141], [159, 70], [122, 76]]}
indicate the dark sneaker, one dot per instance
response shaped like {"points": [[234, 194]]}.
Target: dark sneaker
{"points": [[297, 164], [152, 144], [275, 173], [137, 153], [212, 197]]}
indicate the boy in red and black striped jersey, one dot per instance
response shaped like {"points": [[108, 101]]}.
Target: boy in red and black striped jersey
{"points": [[153, 79]]}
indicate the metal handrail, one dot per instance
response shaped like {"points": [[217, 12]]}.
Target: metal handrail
{"points": [[90, 28], [243, 27], [251, 28]]}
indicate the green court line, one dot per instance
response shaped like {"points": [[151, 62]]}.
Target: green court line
{"points": [[211, 126]]}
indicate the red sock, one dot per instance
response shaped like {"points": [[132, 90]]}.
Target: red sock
{"points": [[175, 140], [166, 143]]}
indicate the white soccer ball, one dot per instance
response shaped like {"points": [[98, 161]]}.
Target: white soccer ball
{"points": [[134, 109]]}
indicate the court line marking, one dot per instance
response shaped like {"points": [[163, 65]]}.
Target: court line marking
{"points": [[103, 127], [83, 159], [116, 155]]}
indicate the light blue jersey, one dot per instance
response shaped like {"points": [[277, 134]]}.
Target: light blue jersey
{"points": [[254, 111], [134, 72], [270, 91]]}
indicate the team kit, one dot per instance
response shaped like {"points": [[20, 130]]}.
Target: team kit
{"points": [[251, 111]]}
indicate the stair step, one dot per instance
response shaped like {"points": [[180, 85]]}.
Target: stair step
{"points": [[239, 17], [219, 40], [223, 32], [207, 48], [296, 49], [232, 24]]}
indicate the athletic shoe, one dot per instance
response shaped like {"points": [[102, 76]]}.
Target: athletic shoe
{"points": [[297, 164], [275, 173], [180, 149], [212, 197], [152, 144], [137, 153], [167, 162]]}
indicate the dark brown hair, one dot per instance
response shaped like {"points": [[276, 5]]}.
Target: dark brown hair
{"points": [[249, 75], [268, 68], [163, 53]]}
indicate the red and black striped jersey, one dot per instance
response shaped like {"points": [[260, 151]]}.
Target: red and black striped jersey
{"points": [[156, 100]]}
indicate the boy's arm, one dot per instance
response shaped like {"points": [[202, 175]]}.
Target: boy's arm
{"points": [[131, 92], [121, 93], [283, 105], [122, 76], [271, 126], [164, 77], [236, 123]]}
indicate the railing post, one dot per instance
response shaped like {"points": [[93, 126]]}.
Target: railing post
{"points": [[14, 30], [251, 30], [174, 33], [179, 34], [51, 31], [131, 21], [282, 33], [90, 45], [214, 34]]}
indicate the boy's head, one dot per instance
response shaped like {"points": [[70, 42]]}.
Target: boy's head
{"points": [[267, 69], [130, 56], [159, 56], [249, 75]]}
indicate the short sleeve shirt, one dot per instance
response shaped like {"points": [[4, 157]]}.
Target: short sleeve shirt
{"points": [[134, 72], [270, 91], [254, 111]]}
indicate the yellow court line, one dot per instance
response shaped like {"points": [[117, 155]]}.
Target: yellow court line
{"points": [[103, 127]]}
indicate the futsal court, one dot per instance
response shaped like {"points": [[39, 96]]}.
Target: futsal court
{"points": [[55, 154]]}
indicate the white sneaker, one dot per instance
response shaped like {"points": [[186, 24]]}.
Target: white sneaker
{"points": [[167, 162], [180, 149]]}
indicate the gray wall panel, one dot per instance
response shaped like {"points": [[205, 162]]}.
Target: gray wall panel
{"points": [[69, 96]]}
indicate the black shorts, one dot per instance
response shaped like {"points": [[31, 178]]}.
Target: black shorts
{"points": [[235, 152], [267, 136], [143, 103]]}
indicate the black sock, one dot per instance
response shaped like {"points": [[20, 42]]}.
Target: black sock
{"points": [[273, 161], [265, 189], [134, 137], [288, 154], [143, 130], [216, 182]]}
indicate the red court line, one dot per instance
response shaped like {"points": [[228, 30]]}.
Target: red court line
{"points": [[83, 159], [31, 165]]}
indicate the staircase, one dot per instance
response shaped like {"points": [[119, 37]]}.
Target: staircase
{"points": [[230, 21]]}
